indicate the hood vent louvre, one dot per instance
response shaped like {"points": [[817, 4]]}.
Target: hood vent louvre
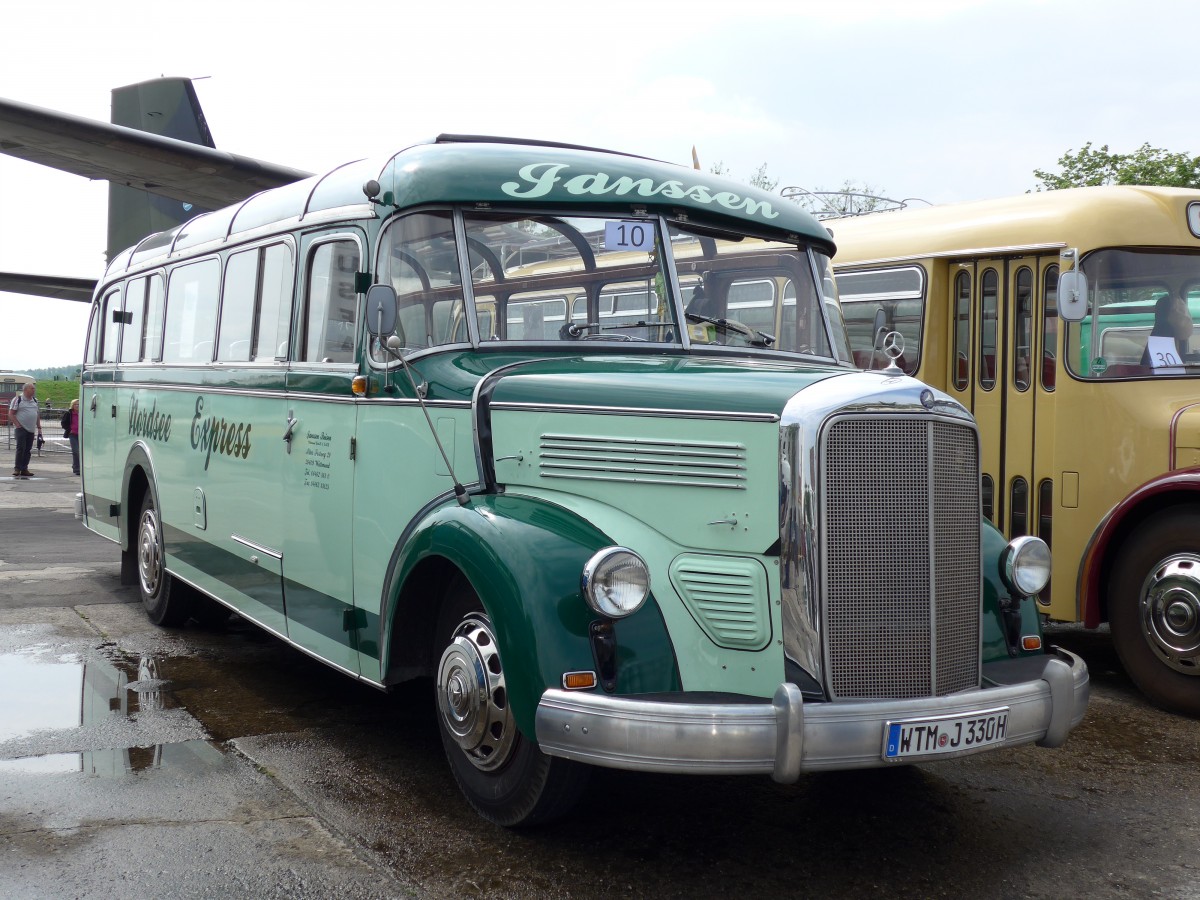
{"points": [[634, 461]]}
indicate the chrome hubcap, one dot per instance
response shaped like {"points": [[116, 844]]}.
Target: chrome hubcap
{"points": [[473, 697], [149, 554], [1170, 607]]}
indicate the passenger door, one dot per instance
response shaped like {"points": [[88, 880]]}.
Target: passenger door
{"points": [[318, 468], [1005, 382]]}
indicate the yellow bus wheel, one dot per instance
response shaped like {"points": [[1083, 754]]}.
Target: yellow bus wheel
{"points": [[1154, 609], [504, 775]]}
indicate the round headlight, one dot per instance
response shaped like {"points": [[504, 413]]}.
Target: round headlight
{"points": [[1026, 565], [615, 582]]}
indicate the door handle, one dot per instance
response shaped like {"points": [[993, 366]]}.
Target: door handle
{"points": [[287, 434]]}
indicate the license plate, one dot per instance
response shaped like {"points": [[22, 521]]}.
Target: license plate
{"points": [[944, 734]]}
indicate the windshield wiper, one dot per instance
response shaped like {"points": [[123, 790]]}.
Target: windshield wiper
{"points": [[756, 338]]}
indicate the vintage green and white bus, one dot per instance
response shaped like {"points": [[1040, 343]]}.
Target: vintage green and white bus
{"points": [[486, 412]]}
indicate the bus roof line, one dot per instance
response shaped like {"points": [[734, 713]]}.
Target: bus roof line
{"points": [[532, 142], [966, 251]]}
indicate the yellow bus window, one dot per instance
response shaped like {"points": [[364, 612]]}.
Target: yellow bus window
{"points": [[1049, 326], [962, 330], [988, 305], [1023, 329]]}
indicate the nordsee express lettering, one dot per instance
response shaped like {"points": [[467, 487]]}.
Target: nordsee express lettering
{"points": [[538, 179], [216, 435], [149, 423]]}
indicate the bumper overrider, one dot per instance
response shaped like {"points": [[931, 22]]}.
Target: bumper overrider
{"points": [[1045, 698]]}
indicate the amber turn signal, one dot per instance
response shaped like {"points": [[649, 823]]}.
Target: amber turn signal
{"points": [[359, 386], [1031, 642], [578, 681]]}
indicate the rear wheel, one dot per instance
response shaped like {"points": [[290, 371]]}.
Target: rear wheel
{"points": [[503, 774], [166, 601], [1154, 609]]}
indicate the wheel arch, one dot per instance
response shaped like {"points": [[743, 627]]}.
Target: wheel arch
{"points": [[524, 558], [137, 479], [1175, 490]]}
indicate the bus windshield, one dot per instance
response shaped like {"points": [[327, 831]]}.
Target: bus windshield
{"points": [[548, 278], [1142, 310]]}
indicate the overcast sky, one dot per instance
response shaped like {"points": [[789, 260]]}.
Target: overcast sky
{"points": [[943, 100]]}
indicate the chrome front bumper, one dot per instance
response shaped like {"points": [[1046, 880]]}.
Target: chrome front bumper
{"points": [[788, 736]]}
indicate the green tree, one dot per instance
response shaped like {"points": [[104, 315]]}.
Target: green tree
{"points": [[1146, 165]]}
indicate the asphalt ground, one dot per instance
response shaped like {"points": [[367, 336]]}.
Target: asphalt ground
{"points": [[197, 762]]}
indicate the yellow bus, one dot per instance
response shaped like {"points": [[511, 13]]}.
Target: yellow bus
{"points": [[1063, 321]]}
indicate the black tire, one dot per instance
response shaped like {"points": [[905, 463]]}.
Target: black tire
{"points": [[1154, 609], [503, 774], [167, 602]]}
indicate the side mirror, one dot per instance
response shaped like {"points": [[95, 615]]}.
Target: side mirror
{"points": [[1072, 296], [879, 328], [381, 310]]}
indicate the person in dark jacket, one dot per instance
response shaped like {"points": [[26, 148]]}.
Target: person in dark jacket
{"points": [[70, 424]]}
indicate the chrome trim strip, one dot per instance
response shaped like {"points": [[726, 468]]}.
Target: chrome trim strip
{"points": [[245, 542], [784, 736], [723, 415]]}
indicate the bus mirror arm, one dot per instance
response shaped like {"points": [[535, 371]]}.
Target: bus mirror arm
{"points": [[392, 345]]}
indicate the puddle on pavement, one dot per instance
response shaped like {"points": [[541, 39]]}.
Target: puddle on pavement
{"points": [[191, 757], [56, 692]]}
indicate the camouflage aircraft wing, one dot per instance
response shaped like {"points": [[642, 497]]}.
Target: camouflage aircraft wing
{"points": [[160, 165]]}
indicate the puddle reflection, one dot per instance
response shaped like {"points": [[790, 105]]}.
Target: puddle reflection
{"points": [[57, 692], [187, 757]]}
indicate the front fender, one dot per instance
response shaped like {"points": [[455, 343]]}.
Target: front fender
{"points": [[995, 646], [524, 558]]}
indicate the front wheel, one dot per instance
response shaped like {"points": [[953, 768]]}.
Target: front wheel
{"points": [[1154, 609], [503, 774], [166, 601]]}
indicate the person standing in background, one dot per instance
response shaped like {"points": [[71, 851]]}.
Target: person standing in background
{"points": [[27, 416], [70, 424]]}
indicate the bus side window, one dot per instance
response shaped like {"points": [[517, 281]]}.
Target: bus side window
{"points": [[93, 338], [1023, 329], [332, 304], [237, 307], [962, 330], [275, 303], [192, 312], [1049, 325], [256, 305], [110, 327], [989, 303], [135, 308]]}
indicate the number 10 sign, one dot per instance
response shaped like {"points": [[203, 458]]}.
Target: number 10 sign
{"points": [[628, 236]]}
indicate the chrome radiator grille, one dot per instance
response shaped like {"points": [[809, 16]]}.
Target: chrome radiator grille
{"points": [[901, 567]]}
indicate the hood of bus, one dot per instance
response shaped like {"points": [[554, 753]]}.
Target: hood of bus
{"points": [[683, 384]]}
